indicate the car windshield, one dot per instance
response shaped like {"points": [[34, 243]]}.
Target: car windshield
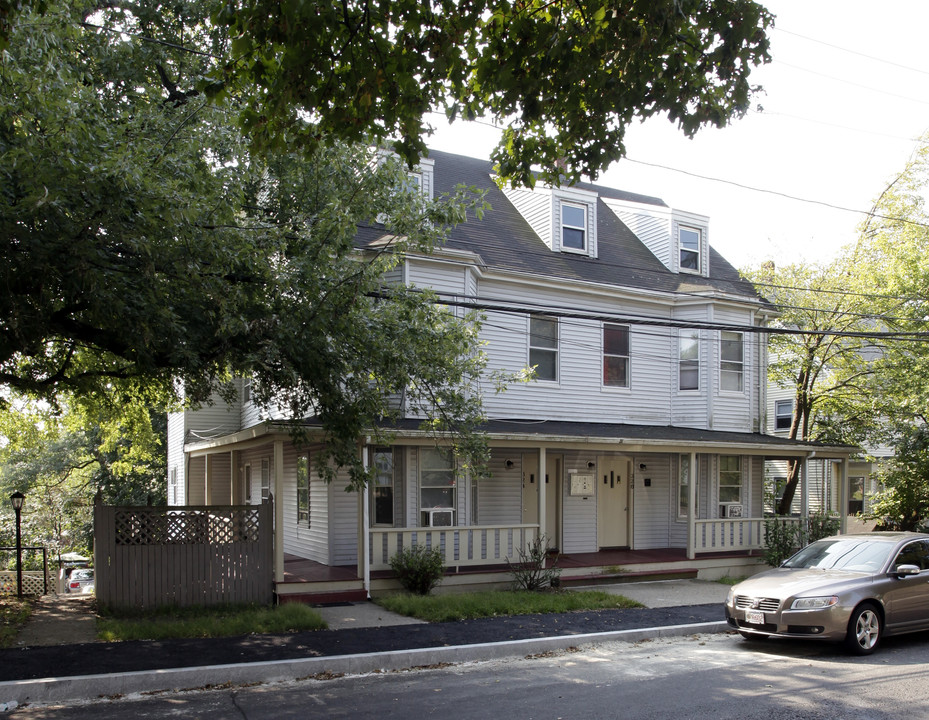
{"points": [[852, 554], [82, 574]]}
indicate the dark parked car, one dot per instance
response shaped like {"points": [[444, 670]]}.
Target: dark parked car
{"points": [[851, 588]]}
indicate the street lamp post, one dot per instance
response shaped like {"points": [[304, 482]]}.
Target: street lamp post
{"points": [[16, 500]]}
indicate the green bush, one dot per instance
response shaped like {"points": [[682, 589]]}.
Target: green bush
{"points": [[781, 539], [419, 569], [533, 571], [821, 525]]}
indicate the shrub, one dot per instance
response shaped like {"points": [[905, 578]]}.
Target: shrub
{"points": [[821, 525], [533, 571], [419, 569], [781, 539]]}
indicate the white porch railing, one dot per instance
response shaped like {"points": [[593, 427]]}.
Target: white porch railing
{"points": [[462, 546], [723, 535]]}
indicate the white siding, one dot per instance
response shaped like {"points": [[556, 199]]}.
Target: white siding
{"points": [[500, 494], [213, 420], [734, 411], [441, 277], [652, 504], [690, 408], [196, 479], [343, 535], [536, 208], [176, 459], [220, 485], [651, 224], [579, 513]]}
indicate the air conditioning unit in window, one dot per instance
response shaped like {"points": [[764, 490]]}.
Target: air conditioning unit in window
{"points": [[730, 510], [444, 517]]}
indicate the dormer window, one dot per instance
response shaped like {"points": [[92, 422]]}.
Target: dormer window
{"points": [[690, 240], [573, 226]]}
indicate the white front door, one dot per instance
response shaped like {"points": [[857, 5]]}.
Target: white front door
{"points": [[612, 484]]}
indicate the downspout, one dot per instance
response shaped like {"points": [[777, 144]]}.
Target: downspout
{"points": [[278, 511], [843, 497], [542, 479]]}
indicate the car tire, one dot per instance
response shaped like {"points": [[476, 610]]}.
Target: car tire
{"points": [[755, 637], [865, 630]]}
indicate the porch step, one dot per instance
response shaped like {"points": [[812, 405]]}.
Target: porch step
{"points": [[629, 577], [323, 597]]}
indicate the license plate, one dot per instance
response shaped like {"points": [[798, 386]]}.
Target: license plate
{"points": [[754, 617]]}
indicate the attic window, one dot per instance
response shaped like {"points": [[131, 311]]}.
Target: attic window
{"points": [[573, 226], [690, 241]]}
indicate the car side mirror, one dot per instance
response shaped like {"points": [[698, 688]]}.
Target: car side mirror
{"points": [[905, 570]]}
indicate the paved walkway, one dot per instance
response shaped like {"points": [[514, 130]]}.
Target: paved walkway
{"points": [[60, 620]]}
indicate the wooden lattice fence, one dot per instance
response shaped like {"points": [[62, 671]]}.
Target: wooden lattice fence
{"points": [[193, 555]]}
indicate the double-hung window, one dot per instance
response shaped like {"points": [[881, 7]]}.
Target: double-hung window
{"points": [[689, 363], [437, 485], [689, 240], [731, 361], [573, 226], [303, 489], [615, 355], [543, 347], [730, 479], [783, 414], [265, 478], [382, 489]]}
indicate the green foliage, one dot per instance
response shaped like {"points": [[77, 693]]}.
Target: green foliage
{"points": [[534, 570], [783, 536], [494, 603], [903, 504], [207, 622], [418, 568], [567, 77], [168, 251], [781, 539]]}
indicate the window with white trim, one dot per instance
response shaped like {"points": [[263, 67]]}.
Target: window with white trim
{"points": [[265, 478], [615, 355], [382, 489], [303, 489], [689, 240], [730, 479], [543, 347], [731, 361], [573, 226], [683, 492], [437, 482], [689, 360], [783, 414]]}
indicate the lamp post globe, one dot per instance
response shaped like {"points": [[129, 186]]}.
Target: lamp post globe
{"points": [[16, 500]]}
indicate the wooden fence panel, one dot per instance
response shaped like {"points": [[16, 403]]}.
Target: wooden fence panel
{"points": [[195, 555]]}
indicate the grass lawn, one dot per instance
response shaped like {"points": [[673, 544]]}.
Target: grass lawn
{"points": [[491, 603], [207, 622], [13, 615]]}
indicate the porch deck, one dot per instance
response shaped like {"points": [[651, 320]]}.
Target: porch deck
{"points": [[312, 582]]}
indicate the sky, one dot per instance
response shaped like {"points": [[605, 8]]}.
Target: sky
{"points": [[844, 103]]}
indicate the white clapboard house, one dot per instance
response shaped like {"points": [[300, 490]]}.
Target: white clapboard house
{"points": [[640, 447]]}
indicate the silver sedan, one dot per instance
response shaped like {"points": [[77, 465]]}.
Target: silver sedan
{"points": [[851, 588]]}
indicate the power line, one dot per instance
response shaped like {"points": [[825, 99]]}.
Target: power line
{"points": [[852, 52]]}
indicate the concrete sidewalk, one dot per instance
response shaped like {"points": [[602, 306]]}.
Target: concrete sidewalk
{"points": [[685, 598]]}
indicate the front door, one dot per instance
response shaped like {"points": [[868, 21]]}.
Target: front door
{"points": [[612, 483], [552, 482]]}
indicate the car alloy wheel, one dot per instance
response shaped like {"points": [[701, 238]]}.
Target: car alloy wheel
{"points": [[864, 630]]}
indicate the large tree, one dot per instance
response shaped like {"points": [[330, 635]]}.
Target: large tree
{"points": [[564, 77], [820, 350], [144, 242]]}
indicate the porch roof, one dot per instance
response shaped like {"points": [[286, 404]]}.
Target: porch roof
{"points": [[525, 432]]}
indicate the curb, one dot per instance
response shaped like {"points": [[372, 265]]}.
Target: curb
{"points": [[91, 687]]}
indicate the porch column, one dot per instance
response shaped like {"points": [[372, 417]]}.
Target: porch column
{"points": [[207, 479], [542, 477], [233, 479], [843, 495], [804, 488], [279, 511], [692, 507], [364, 525]]}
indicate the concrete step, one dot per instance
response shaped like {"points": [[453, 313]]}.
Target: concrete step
{"points": [[628, 577]]}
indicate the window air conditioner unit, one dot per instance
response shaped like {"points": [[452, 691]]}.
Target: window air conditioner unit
{"points": [[444, 517], [732, 510]]}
